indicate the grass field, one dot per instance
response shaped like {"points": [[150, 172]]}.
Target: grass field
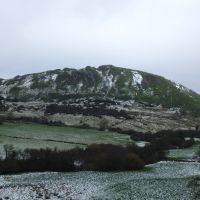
{"points": [[28, 135]]}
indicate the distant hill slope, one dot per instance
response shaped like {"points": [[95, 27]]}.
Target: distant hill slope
{"points": [[106, 80]]}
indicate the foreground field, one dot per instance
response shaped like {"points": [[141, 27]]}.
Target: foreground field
{"points": [[164, 180], [29, 135]]}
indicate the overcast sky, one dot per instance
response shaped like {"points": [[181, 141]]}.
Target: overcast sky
{"points": [[157, 36]]}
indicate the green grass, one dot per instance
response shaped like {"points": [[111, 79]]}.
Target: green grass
{"points": [[28, 135]]}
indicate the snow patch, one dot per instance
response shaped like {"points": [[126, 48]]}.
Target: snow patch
{"points": [[100, 73], [50, 77], [141, 143], [108, 81], [47, 78], [54, 77], [27, 82], [80, 85], [137, 78], [181, 87]]}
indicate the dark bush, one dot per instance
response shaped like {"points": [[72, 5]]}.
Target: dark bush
{"points": [[107, 157], [101, 157], [167, 139], [97, 110], [103, 124]]}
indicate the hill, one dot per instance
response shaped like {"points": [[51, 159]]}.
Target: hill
{"points": [[104, 81]]}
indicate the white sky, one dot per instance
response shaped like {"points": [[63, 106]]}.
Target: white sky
{"points": [[157, 36]]}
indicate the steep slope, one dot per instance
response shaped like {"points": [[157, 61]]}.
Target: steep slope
{"points": [[104, 81]]}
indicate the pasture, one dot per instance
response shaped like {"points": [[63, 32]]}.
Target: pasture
{"points": [[29, 135]]}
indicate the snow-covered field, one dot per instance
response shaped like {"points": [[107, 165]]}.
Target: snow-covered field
{"points": [[164, 180]]}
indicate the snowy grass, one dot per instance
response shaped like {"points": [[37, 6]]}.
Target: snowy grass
{"points": [[164, 180]]}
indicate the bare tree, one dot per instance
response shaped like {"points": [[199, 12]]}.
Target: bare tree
{"points": [[103, 125], [9, 149]]}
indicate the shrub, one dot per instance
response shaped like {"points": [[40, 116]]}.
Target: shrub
{"points": [[10, 116], [107, 157], [103, 125], [9, 151]]}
